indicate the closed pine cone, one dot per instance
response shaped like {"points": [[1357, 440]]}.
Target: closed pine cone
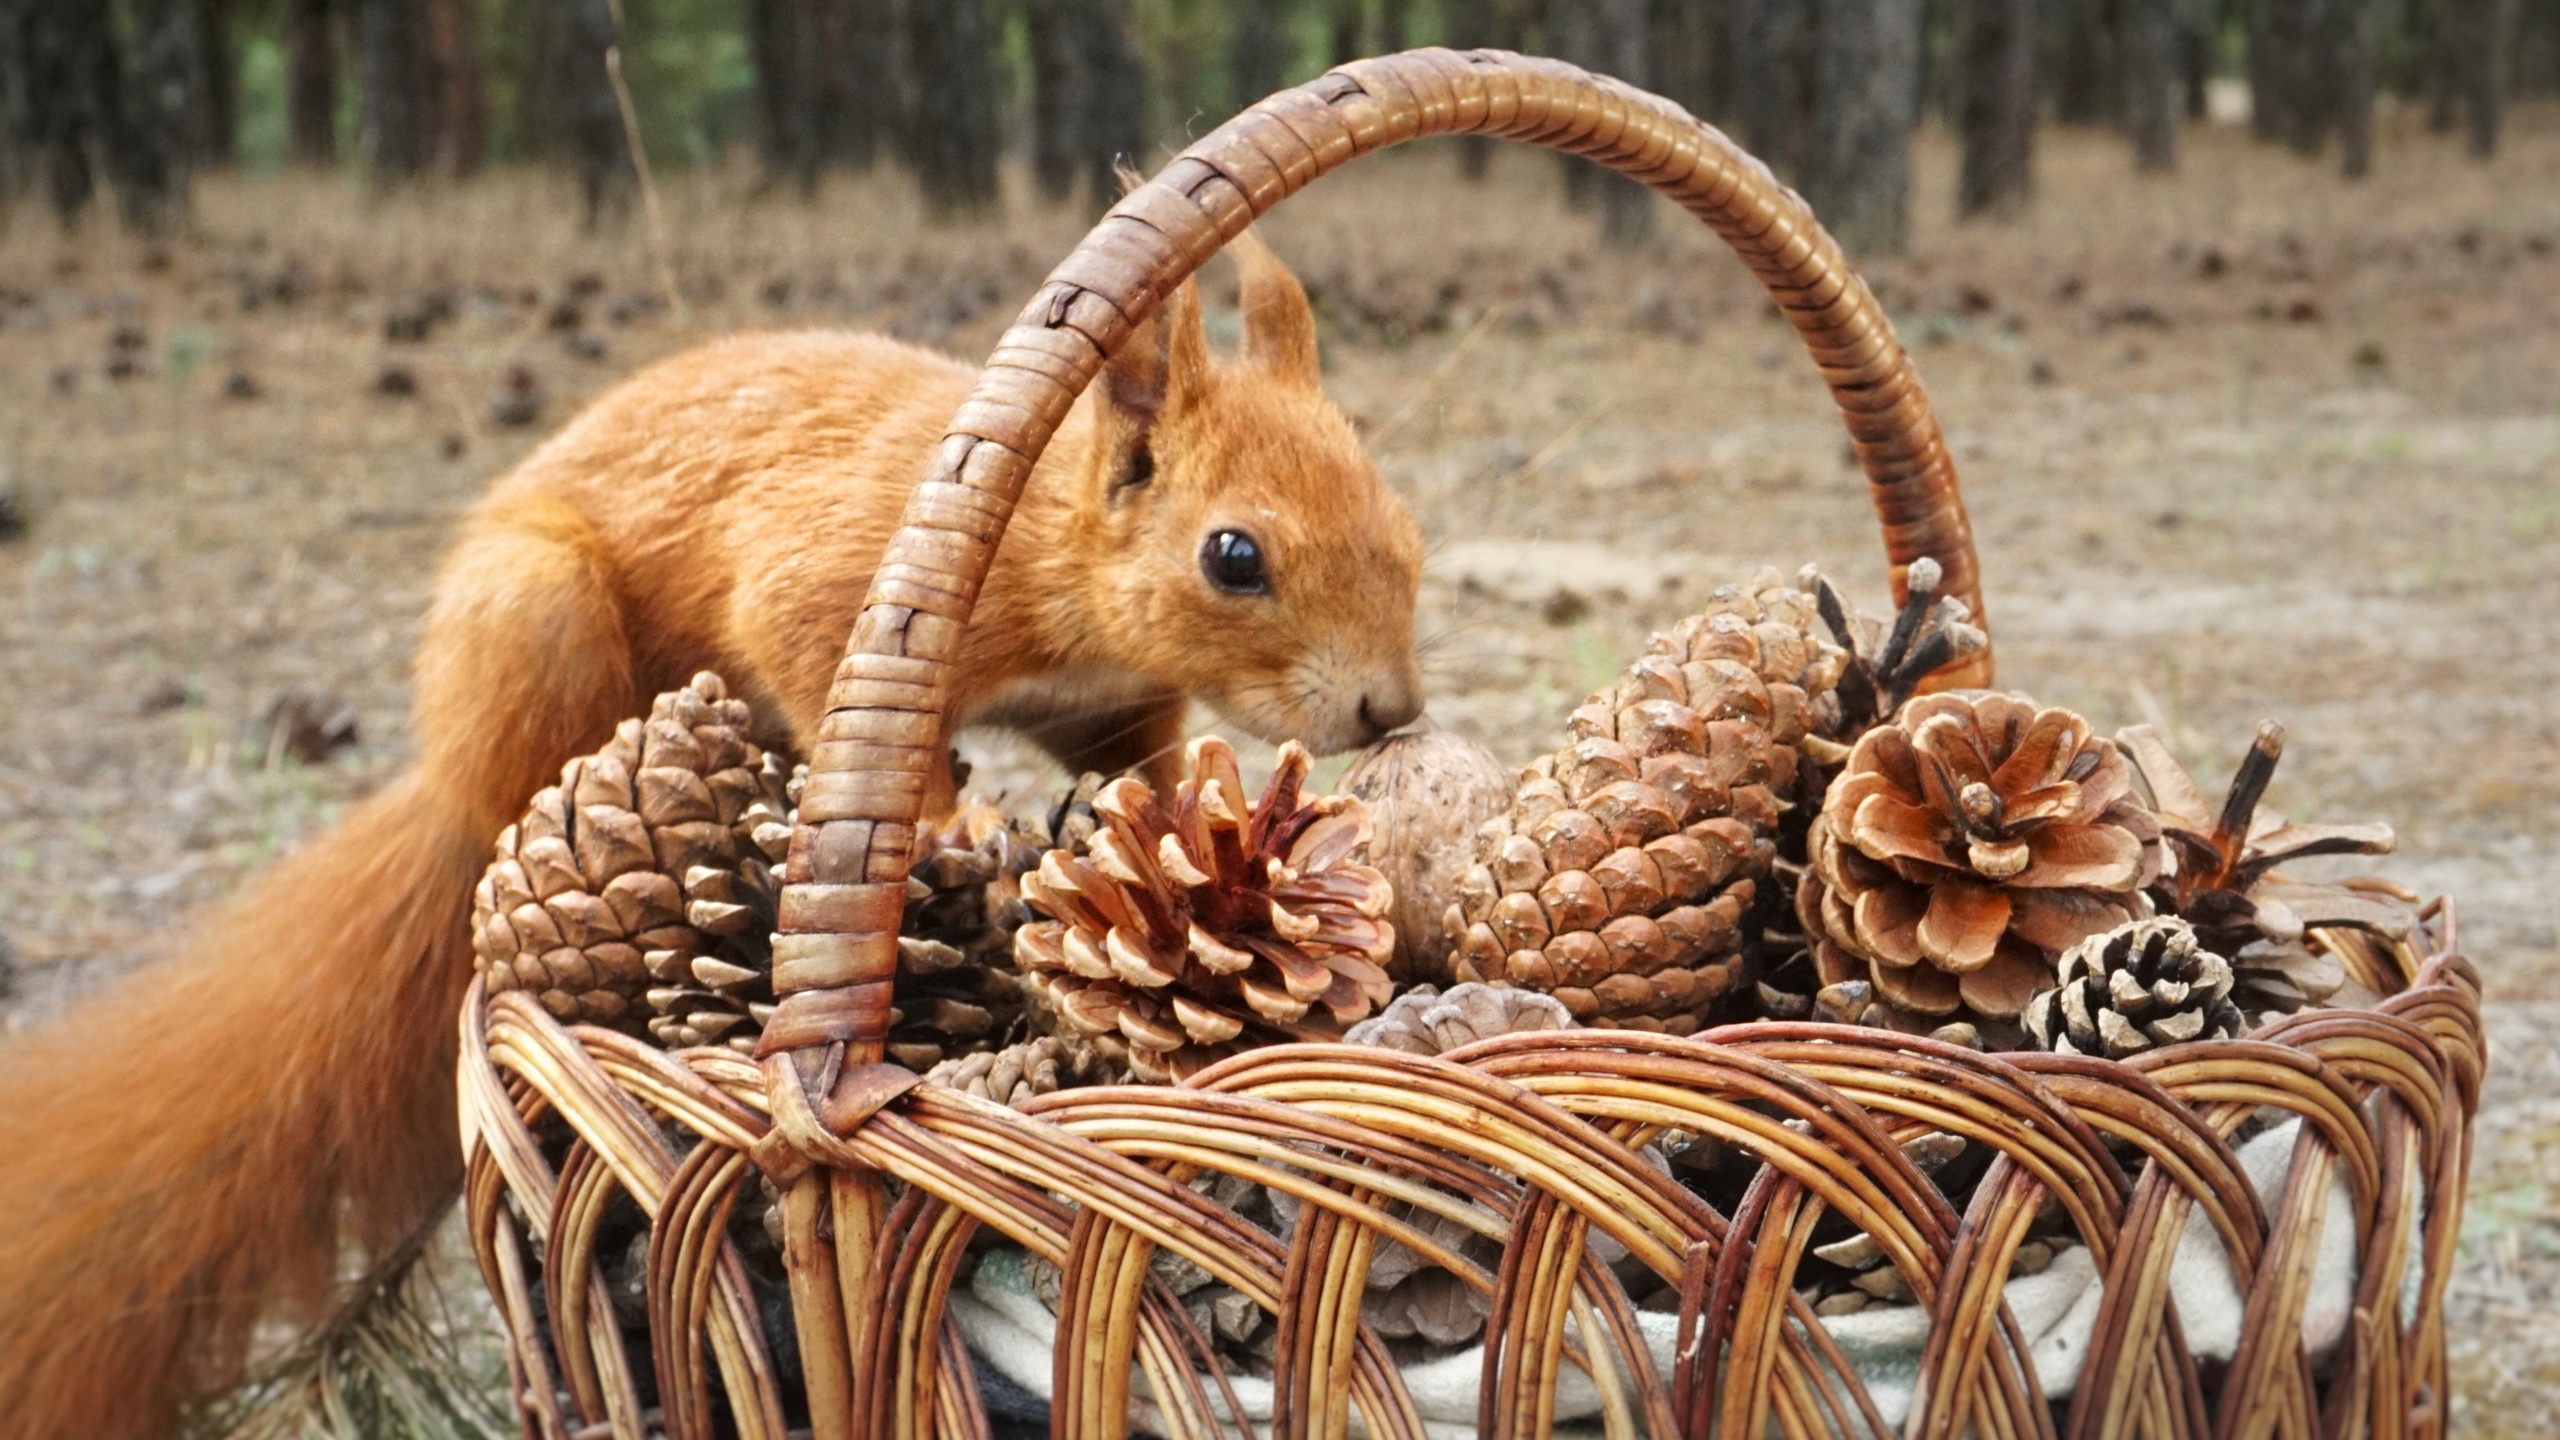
{"points": [[1019, 1074], [623, 876], [1193, 928], [1966, 845], [2136, 986], [1409, 1295], [2222, 878], [1619, 878], [1428, 1021], [957, 992]]}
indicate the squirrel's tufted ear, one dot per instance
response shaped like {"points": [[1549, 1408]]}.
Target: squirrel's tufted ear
{"points": [[1163, 360], [1279, 328]]}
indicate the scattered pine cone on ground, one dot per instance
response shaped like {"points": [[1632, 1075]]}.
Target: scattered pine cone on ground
{"points": [[1194, 927], [1965, 846], [2222, 878]]}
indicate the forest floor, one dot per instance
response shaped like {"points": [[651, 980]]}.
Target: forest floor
{"points": [[2247, 442]]}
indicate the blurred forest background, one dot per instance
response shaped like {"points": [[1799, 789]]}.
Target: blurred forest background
{"points": [[133, 98]]}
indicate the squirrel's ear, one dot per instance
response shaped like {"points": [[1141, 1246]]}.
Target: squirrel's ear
{"points": [[1279, 328], [1162, 361]]}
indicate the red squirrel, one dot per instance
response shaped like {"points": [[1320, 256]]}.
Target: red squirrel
{"points": [[193, 1152]]}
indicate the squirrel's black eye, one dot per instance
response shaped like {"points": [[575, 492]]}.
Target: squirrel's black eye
{"points": [[1233, 563]]}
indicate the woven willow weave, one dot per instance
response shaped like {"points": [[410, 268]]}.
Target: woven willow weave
{"points": [[1531, 1139]]}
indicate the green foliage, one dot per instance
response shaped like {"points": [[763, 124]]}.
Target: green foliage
{"points": [[691, 77]]}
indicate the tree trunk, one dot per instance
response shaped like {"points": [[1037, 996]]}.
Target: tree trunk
{"points": [[1997, 119], [869, 91], [2265, 70], [17, 113], [2356, 31], [1088, 98], [1773, 67], [2084, 70], [600, 150], [311, 80], [73, 94], [1394, 25], [953, 141], [219, 116], [1610, 37], [1866, 101], [395, 119], [1473, 25], [2475, 33], [1342, 28], [1258, 53], [2150, 74], [455, 107], [2195, 56], [1683, 60], [782, 42], [161, 123]]}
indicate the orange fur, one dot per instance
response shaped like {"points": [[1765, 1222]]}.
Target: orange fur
{"points": [[190, 1151]]}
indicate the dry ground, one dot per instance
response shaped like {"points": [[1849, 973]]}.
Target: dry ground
{"points": [[2248, 442]]}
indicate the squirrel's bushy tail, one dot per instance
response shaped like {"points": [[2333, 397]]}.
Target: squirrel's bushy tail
{"points": [[186, 1153]]}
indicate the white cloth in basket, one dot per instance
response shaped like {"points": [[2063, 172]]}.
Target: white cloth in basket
{"points": [[2057, 1310]]}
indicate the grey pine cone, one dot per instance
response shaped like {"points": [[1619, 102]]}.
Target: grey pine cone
{"points": [[2139, 985], [1021, 1073], [1428, 1021]]}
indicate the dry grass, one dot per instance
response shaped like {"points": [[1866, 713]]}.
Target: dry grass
{"points": [[2248, 442]]}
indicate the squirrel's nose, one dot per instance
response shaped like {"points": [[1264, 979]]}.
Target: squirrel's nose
{"points": [[1382, 711]]}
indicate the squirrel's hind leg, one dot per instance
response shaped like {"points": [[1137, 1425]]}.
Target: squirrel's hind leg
{"points": [[524, 661]]}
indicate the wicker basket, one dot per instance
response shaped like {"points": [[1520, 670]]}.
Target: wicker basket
{"points": [[1541, 1132]]}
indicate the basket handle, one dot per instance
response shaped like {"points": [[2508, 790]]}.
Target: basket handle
{"points": [[836, 951]]}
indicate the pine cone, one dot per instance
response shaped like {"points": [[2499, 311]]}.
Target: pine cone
{"points": [[1964, 846], [1621, 876], [629, 873], [2222, 877], [2139, 985], [957, 992], [1020, 1073], [1196, 928], [1851, 669], [1427, 1021]]}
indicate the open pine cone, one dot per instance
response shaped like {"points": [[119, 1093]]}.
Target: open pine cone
{"points": [[1863, 671], [1967, 844], [2136, 986], [636, 868], [1193, 928], [2222, 877]]}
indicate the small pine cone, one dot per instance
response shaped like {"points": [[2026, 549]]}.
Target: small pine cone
{"points": [[2136, 986], [2222, 878], [957, 991], [1194, 928], [1022, 1073], [622, 878], [1964, 846], [1427, 1021], [1619, 879]]}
